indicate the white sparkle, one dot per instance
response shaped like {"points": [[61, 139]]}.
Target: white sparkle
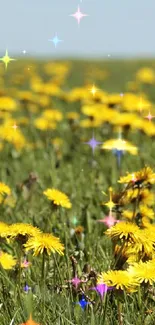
{"points": [[15, 127], [78, 15]]}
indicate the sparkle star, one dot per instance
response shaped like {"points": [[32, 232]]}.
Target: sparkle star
{"points": [[149, 116], [109, 220], [24, 52], [76, 281], [74, 221], [78, 15], [93, 90], [93, 143], [6, 59], [110, 204], [15, 127], [55, 40]]}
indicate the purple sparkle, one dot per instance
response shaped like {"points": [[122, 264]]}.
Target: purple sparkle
{"points": [[76, 281], [93, 143]]}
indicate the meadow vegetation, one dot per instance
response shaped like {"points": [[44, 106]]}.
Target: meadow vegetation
{"points": [[76, 226]]}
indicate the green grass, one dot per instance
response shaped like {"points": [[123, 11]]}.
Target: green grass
{"points": [[82, 177]]}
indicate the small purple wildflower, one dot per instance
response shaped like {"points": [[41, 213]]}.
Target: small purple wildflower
{"points": [[101, 288], [26, 288]]}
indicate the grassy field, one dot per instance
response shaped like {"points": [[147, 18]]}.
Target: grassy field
{"points": [[46, 152]]}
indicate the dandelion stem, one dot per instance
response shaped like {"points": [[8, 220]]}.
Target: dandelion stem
{"points": [[58, 269], [119, 308], [139, 298], [105, 308], [19, 262], [119, 255], [136, 205], [43, 282]]}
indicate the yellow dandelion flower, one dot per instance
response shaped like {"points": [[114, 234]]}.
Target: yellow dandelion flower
{"points": [[114, 99], [52, 114], [77, 94], [145, 75], [57, 68], [26, 96], [130, 195], [127, 119], [22, 231], [142, 245], [141, 251], [91, 110], [146, 197], [90, 124], [143, 272], [127, 214], [4, 189], [44, 243], [132, 102], [44, 124], [52, 89], [145, 222], [145, 175], [7, 261], [128, 178], [123, 230], [149, 128], [58, 198], [133, 258], [149, 233], [5, 192], [120, 144], [7, 103], [119, 279], [12, 136], [146, 212], [57, 142], [73, 115], [3, 229]]}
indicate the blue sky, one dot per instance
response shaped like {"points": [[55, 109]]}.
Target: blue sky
{"points": [[119, 28]]}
